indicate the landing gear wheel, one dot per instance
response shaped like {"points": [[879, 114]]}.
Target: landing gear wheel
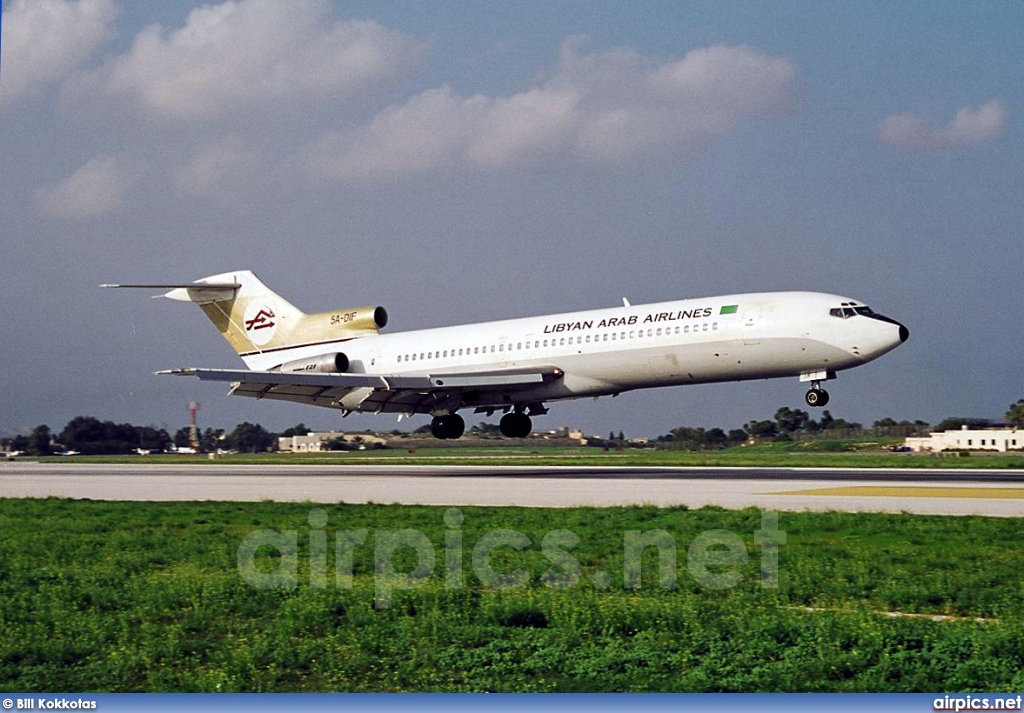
{"points": [[816, 398], [515, 425], [448, 427]]}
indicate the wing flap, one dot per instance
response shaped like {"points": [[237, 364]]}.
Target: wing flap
{"points": [[373, 392], [465, 380]]}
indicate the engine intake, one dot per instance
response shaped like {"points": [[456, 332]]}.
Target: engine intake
{"points": [[326, 363]]}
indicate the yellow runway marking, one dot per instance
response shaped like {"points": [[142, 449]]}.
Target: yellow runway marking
{"points": [[910, 491]]}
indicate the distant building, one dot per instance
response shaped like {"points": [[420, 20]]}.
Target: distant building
{"points": [[315, 442], [967, 439], [563, 432]]}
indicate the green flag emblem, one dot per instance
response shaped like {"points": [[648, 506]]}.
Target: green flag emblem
{"points": [[729, 309]]}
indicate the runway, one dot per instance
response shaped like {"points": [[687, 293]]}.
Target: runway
{"points": [[940, 492]]}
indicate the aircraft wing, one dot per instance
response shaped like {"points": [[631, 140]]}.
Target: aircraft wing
{"points": [[375, 392]]}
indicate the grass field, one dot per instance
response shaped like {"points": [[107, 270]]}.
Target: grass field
{"points": [[107, 596], [811, 454]]}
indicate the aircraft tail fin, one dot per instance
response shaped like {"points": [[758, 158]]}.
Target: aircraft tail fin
{"points": [[256, 320]]}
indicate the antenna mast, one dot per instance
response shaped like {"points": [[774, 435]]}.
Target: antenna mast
{"points": [[193, 427]]}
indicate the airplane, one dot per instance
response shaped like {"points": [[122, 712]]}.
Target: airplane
{"points": [[341, 360]]}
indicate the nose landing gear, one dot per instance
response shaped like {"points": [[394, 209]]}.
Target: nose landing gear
{"points": [[816, 396]]}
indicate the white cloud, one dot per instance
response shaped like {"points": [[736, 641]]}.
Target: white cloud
{"points": [[232, 57], [213, 166], [602, 108], [969, 126], [96, 189], [43, 41]]}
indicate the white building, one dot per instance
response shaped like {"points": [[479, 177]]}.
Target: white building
{"points": [[966, 439], [314, 442]]}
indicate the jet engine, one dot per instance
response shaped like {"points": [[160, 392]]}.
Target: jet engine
{"points": [[327, 363]]}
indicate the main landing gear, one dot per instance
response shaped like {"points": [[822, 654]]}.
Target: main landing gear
{"points": [[816, 396], [515, 425], [448, 427]]}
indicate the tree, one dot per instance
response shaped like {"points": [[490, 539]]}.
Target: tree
{"points": [[762, 429], [791, 420], [1015, 416], [955, 423], [91, 436], [715, 438], [251, 437], [486, 429], [39, 441], [153, 439], [298, 430], [737, 435], [696, 439], [211, 440], [181, 437]]}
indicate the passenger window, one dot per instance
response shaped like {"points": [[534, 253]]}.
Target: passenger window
{"points": [[659, 332]]}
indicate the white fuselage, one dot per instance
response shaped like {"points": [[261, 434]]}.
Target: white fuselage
{"points": [[607, 351]]}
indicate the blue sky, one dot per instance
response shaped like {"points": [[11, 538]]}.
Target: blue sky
{"points": [[467, 161]]}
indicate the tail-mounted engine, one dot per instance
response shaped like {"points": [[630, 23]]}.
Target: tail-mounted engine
{"points": [[336, 363]]}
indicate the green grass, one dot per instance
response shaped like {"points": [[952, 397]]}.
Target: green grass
{"points": [[809, 454], [107, 596]]}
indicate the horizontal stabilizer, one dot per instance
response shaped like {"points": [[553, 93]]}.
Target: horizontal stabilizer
{"points": [[198, 292], [184, 286]]}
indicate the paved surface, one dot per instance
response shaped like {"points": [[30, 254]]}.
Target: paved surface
{"points": [[949, 492]]}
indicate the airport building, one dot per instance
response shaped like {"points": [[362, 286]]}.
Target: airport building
{"points": [[966, 439], [316, 442]]}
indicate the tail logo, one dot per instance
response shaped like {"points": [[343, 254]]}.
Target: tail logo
{"points": [[260, 322]]}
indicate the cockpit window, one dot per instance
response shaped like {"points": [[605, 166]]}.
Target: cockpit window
{"points": [[850, 310]]}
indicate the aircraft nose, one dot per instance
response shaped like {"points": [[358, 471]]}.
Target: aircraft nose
{"points": [[904, 334]]}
